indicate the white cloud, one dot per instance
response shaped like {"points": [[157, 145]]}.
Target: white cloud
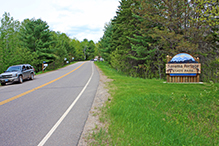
{"points": [[80, 19]]}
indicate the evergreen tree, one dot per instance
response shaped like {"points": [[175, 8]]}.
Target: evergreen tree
{"points": [[36, 36], [142, 45], [91, 49], [124, 27], [105, 42]]}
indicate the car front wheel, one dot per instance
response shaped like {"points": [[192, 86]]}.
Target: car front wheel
{"points": [[20, 79]]}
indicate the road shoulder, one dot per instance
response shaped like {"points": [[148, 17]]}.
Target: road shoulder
{"points": [[93, 121]]}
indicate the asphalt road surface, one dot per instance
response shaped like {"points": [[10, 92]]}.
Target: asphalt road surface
{"points": [[50, 110]]}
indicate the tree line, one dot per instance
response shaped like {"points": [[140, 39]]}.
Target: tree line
{"points": [[143, 32], [32, 42]]}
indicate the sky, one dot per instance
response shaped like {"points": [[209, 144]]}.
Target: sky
{"points": [[78, 19]]}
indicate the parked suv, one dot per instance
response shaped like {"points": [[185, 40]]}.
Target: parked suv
{"points": [[17, 73]]}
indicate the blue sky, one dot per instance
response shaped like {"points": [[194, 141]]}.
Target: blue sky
{"points": [[77, 18]]}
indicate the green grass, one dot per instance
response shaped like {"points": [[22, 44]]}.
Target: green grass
{"points": [[150, 112]]}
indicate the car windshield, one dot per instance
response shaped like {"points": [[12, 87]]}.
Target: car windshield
{"points": [[13, 69]]}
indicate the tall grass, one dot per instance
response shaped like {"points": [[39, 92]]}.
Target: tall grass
{"points": [[150, 112]]}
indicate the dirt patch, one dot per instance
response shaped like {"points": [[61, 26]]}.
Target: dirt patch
{"points": [[93, 121]]}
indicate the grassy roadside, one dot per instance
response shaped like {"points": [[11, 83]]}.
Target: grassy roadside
{"points": [[150, 112]]}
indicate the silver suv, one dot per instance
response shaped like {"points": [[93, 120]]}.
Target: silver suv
{"points": [[17, 73]]}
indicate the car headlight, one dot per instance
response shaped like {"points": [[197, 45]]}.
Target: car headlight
{"points": [[14, 75]]}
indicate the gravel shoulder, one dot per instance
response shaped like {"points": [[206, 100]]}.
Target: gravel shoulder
{"points": [[93, 121]]}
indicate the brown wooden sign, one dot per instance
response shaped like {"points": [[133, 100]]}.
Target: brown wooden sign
{"points": [[181, 68]]}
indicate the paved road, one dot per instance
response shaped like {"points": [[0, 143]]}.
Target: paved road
{"points": [[50, 110]]}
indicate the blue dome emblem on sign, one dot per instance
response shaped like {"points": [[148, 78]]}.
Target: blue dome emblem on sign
{"points": [[183, 58]]}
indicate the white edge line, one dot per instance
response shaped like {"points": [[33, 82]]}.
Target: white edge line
{"points": [[65, 114]]}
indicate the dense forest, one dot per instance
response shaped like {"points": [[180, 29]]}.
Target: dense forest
{"points": [[32, 42], [143, 32]]}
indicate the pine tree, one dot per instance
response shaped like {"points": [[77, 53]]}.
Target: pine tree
{"points": [[90, 50], [105, 42], [124, 27], [36, 36]]}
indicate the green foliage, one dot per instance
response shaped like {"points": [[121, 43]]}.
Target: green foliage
{"points": [[8, 41], [32, 42], [119, 60], [123, 27], [105, 43], [79, 54], [207, 10], [36, 36], [90, 50], [144, 32]]}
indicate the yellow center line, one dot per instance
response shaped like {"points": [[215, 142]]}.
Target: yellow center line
{"points": [[29, 91]]}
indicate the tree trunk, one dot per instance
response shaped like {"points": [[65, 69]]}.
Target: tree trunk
{"points": [[216, 75]]}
